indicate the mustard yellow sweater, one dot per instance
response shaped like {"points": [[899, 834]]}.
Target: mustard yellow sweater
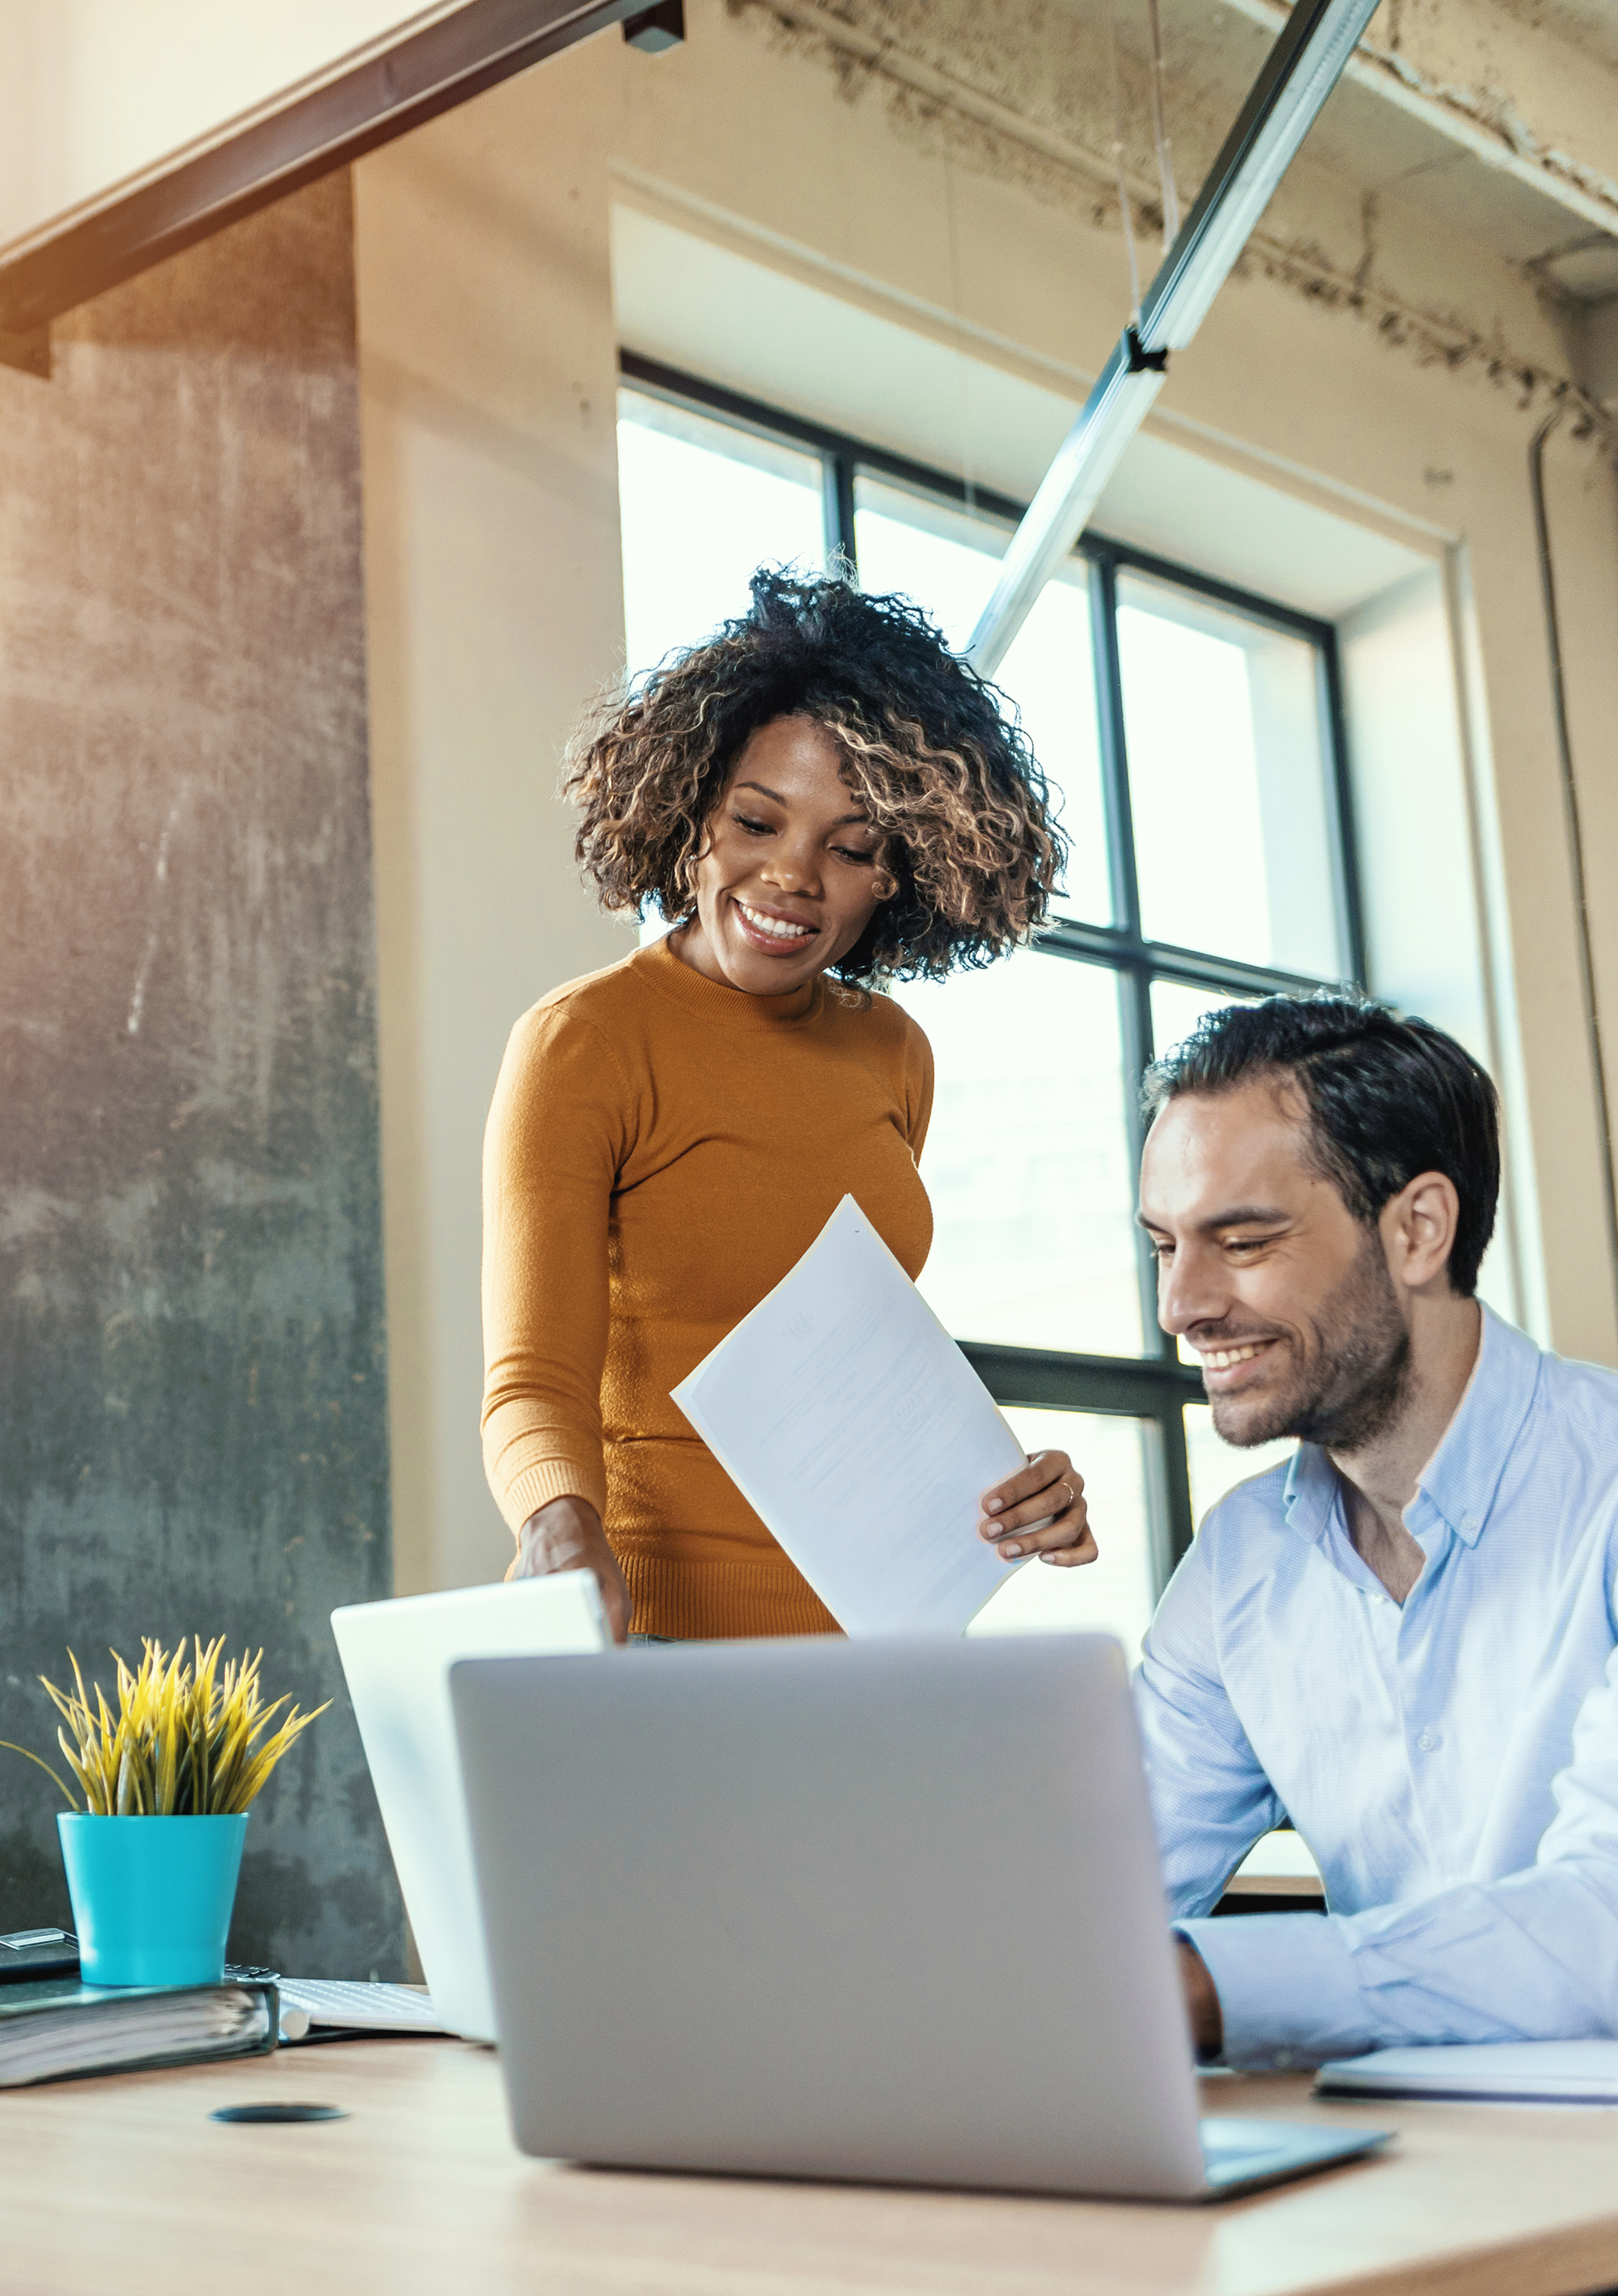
{"points": [[660, 1149]]}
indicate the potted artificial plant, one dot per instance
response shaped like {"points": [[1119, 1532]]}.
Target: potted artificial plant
{"points": [[153, 1855]]}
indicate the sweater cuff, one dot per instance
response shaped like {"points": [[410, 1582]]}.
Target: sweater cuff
{"points": [[547, 1480], [1288, 1994]]}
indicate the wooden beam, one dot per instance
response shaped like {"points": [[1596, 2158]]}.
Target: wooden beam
{"points": [[322, 123]]}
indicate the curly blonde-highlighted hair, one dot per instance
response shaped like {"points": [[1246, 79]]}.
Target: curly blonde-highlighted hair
{"points": [[946, 774]]}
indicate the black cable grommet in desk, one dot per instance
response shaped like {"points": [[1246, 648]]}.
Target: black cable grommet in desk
{"points": [[279, 2112]]}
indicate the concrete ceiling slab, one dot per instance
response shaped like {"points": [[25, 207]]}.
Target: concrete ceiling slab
{"points": [[1371, 134], [1590, 273]]}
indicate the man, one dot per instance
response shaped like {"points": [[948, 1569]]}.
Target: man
{"points": [[1403, 1638]]}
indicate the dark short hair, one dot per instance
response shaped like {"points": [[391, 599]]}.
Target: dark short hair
{"points": [[1387, 1098]]}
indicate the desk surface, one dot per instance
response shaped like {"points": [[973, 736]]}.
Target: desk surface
{"points": [[421, 2190]]}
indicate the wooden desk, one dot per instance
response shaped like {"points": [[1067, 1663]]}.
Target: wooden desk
{"points": [[127, 2184]]}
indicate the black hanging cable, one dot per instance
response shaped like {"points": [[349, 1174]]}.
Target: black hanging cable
{"points": [[1575, 835]]}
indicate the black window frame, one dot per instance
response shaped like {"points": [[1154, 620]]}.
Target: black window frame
{"points": [[1156, 1386]]}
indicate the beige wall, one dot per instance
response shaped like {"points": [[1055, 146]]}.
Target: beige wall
{"points": [[488, 338], [492, 566]]}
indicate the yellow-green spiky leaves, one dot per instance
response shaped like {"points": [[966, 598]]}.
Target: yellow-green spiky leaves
{"points": [[188, 1740]]}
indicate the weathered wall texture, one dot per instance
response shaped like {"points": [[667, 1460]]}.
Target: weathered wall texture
{"points": [[192, 1407]]}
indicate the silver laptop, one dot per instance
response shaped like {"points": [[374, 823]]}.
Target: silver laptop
{"points": [[397, 1658], [878, 1910]]}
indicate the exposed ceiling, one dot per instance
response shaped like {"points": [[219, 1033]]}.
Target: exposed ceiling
{"points": [[1589, 24], [1494, 120], [1460, 185], [1454, 152]]}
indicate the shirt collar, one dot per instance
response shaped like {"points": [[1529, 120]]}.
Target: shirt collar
{"points": [[1461, 1478], [1459, 1481], [1310, 1492]]}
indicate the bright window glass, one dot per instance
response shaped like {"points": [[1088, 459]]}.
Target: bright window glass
{"points": [[1027, 1162], [1114, 1593], [702, 505], [946, 563], [939, 556], [1179, 1011], [1227, 782]]}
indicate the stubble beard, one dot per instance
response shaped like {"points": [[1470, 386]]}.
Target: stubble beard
{"points": [[1350, 1391]]}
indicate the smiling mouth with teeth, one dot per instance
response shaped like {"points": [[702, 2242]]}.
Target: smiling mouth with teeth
{"points": [[1226, 1358], [777, 928]]}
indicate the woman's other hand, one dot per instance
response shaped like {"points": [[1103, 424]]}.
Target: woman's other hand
{"points": [[567, 1536], [1049, 1486]]}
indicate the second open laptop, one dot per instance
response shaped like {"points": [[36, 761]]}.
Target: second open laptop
{"points": [[879, 1910], [397, 1658]]}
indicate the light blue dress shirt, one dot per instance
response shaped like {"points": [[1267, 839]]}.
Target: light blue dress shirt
{"points": [[1453, 1765]]}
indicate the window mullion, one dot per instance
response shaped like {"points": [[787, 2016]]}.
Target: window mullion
{"points": [[1134, 1029], [1168, 1482], [1114, 745], [1168, 1493], [838, 476], [1340, 813], [1134, 983]]}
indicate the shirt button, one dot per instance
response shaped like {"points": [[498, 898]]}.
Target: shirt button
{"points": [[1427, 1742]]}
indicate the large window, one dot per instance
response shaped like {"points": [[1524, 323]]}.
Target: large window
{"points": [[1194, 734]]}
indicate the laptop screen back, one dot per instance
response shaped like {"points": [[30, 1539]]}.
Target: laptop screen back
{"points": [[888, 1910], [397, 1658]]}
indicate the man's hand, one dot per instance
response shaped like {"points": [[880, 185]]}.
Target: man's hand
{"points": [[1202, 2002], [1050, 1492], [567, 1536]]}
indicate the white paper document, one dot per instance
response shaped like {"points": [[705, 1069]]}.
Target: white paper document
{"points": [[1499, 2072], [852, 1423]]}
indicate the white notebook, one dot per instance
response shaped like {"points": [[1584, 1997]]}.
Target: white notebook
{"points": [[1502, 2072], [852, 1423]]}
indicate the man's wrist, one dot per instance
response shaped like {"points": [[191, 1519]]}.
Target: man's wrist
{"points": [[1202, 2002], [1288, 1990]]}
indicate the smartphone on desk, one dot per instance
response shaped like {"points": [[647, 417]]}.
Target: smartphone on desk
{"points": [[37, 1953]]}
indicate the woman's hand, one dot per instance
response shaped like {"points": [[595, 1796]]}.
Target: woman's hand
{"points": [[567, 1536], [1049, 1486]]}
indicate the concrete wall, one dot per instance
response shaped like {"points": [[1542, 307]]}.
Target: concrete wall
{"points": [[486, 327], [193, 1438]]}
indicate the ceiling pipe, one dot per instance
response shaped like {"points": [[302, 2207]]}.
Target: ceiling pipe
{"points": [[1299, 74]]}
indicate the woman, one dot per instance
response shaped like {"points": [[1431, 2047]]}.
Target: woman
{"points": [[822, 797]]}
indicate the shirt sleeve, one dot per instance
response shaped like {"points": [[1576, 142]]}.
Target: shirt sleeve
{"points": [[556, 1139], [1210, 1798], [1532, 1956]]}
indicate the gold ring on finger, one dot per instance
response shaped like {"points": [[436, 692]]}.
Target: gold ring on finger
{"points": [[1073, 1497]]}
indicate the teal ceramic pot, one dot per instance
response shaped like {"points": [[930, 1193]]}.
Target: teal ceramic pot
{"points": [[151, 1896]]}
